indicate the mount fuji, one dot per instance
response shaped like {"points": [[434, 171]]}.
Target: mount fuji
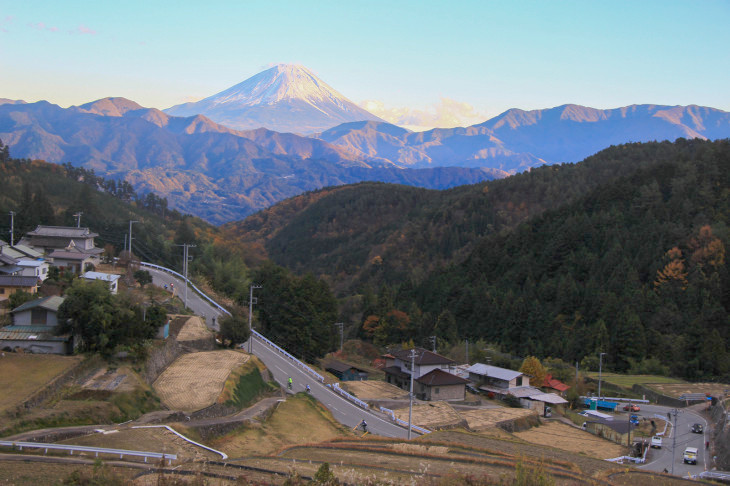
{"points": [[285, 98]]}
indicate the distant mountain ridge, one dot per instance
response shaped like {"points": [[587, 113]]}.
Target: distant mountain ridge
{"points": [[203, 168], [517, 140], [284, 98]]}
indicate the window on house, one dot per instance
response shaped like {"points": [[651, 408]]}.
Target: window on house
{"points": [[519, 381], [38, 316], [436, 391], [2, 291]]}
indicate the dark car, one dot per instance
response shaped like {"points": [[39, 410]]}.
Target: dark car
{"points": [[697, 428]]}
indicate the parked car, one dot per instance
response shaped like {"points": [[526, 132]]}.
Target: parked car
{"points": [[690, 455], [631, 407], [697, 428], [656, 441], [634, 419]]}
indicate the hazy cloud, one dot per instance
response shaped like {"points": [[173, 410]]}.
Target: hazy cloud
{"points": [[83, 30], [447, 113], [37, 26]]}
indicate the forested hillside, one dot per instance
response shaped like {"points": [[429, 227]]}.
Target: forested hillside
{"points": [[622, 253], [636, 268]]}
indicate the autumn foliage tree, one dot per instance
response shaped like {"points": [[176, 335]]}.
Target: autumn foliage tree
{"points": [[532, 367]]}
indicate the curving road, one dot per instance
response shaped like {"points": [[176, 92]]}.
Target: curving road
{"points": [[196, 303], [343, 410], [660, 459]]}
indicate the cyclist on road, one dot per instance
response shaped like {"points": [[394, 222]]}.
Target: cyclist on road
{"points": [[308, 390], [290, 383], [364, 425]]}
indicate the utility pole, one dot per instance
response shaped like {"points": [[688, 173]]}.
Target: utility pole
{"points": [[250, 316], [600, 370], [410, 395], [467, 351], [433, 342], [674, 438], [130, 238], [12, 227], [78, 219], [186, 259], [341, 325]]}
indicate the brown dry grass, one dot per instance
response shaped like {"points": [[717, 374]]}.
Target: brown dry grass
{"points": [[298, 420], [194, 381], [432, 415], [677, 389], [21, 375], [21, 473], [193, 330], [487, 418], [374, 390], [567, 438]]}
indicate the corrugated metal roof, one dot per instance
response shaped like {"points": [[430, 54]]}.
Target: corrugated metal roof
{"points": [[30, 333], [493, 371], [107, 277], [549, 398], [51, 303], [525, 391]]}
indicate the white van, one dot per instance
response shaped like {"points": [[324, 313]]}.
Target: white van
{"points": [[690, 455]]}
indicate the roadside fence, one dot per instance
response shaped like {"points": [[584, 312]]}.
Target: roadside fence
{"points": [[200, 292], [294, 360]]}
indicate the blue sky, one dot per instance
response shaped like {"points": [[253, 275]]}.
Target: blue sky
{"points": [[478, 58]]}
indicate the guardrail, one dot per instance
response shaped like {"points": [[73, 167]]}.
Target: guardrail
{"points": [[223, 455], [200, 292], [289, 356], [336, 388], [666, 424], [721, 475], [96, 450], [621, 459]]}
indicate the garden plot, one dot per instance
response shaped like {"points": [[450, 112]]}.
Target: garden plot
{"points": [[567, 438], [21, 375], [110, 379], [374, 390], [483, 419], [433, 415], [194, 381], [678, 389]]}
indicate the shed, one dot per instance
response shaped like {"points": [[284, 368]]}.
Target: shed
{"points": [[345, 372]]}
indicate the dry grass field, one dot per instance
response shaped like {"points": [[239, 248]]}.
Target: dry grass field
{"points": [[678, 389], [21, 473], [194, 381], [374, 390], [194, 329], [298, 420], [432, 415], [567, 438], [21, 375], [488, 418], [155, 439]]}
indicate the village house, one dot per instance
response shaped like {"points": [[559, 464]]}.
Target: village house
{"points": [[34, 328], [11, 283], [111, 279], [494, 379], [430, 371], [68, 248]]}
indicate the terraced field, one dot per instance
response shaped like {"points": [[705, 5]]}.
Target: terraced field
{"points": [[194, 381]]}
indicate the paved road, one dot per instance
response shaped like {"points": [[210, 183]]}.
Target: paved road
{"points": [[660, 459], [197, 304], [343, 410]]}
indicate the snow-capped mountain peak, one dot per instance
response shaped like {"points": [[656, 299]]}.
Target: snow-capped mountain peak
{"points": [[286, 97]]}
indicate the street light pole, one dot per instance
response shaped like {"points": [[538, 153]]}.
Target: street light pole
{"points": [[12, 228], [600, 370], [410, 395], [250, 317]]}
